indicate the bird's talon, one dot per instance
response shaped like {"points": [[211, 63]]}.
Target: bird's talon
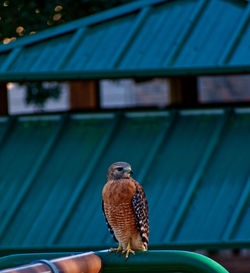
{"points": [[119, 248], [127, 251], [115, 249], [111, 250]]}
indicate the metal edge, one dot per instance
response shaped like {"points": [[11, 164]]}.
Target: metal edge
{"points": [[242, 110], [119, 73], [92, 116], [147, 114], [39, 118], [199, 112]]}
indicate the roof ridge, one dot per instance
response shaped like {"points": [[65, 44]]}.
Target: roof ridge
{"points": [[79, 23]]}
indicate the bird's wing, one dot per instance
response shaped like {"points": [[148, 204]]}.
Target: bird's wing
{"points": [[109, 227], [140, 206]]}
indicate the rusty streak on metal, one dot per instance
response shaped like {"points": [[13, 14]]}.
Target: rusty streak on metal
{"points": [[87, 263]]}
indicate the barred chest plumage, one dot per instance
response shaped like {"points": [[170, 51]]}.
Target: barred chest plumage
{"points": [[125, 212], [124, 225]]}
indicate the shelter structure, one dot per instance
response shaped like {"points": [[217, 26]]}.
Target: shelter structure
{"points": [[193, 163], [144, 39]]}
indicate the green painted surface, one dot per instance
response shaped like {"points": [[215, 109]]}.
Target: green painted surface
{"points": [[160, 261], [3, 128], [141, 39], [193, 165], [151, 261]]}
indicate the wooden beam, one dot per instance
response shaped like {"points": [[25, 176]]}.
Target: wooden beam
{"points": [[183, 91], [84, 95], [3, 99]]}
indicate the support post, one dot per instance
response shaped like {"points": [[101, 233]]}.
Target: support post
{"points": [[183, 91], [4, 109], [84, 95]]}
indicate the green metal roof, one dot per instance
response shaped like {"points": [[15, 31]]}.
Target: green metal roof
{"points": [[193, 165], [141, 39]]}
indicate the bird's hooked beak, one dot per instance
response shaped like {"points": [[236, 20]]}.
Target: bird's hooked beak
{"points": [[128, 171]]}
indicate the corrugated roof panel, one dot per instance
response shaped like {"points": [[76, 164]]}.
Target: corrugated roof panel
{"points": [[19, 157], [241, 54], [3, 58], [132, 142], [174, 168], [193, 166], [211, 34], [58, 178], [3, 127], [97, 18], [221, 185], [146, 50], [99, 45], [144, 38], [242, 233], [38, 57]]}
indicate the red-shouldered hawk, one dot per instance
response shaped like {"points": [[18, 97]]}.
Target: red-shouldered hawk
{"points": [[126, 209]]}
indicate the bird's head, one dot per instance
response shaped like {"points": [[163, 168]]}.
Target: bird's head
{"points": [[119, 170]]}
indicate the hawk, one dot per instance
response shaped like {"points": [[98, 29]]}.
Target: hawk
{"points": [[126, 209]]}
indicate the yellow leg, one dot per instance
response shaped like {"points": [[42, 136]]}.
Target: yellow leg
{"points": [[116, 249], [128, 250]]}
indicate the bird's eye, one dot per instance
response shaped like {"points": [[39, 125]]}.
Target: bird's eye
{"points": [[119, 169]]}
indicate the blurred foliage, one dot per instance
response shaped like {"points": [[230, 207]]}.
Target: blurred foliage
{"points": [[21, 17], [38, 93]]}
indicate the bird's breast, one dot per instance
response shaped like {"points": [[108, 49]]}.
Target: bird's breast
{"points": [[119, 192]]}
